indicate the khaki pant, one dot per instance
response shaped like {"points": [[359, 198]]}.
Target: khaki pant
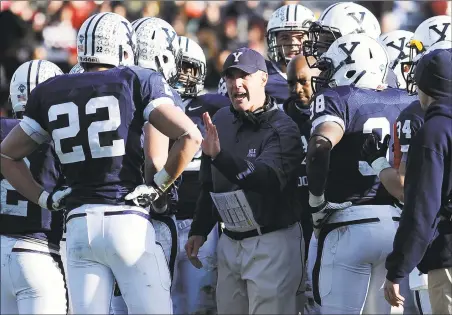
{"points": [[440, 290], [261, 274]]}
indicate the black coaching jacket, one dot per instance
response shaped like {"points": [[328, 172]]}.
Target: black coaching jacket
{"points": [[260, 154]]}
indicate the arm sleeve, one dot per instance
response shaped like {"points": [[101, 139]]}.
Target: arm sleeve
{"points": [[418, 223], [34, 123], [328, 106], [272, 169], [154, 90], [407, 126], [204, 218]]}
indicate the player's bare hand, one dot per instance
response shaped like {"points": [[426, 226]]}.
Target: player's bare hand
{"points": [[392, 294], [211, 143], [192, 247]]}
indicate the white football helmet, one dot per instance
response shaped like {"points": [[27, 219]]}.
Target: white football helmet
{"points": [[411, 83], [222, 89], [337, 20], [104, 38], [431, 31], [288, 18], [158, 47], [354, 59], [26, 78], [193, 58], [397, 46], [77, 69]]}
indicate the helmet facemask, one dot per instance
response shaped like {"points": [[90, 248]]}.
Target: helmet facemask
{"points": [[325, 78], [320, 39], [280, 52], [191, 77]]}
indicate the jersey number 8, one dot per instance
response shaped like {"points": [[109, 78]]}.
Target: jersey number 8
{"points": [[95, 128]]}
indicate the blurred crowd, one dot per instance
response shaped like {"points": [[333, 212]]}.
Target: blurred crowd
{"points": [[47, 29]]}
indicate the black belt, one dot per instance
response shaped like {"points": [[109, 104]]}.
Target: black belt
{"points": [[238, 236]]}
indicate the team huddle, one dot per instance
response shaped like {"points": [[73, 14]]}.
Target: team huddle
{"points": [[101, 210]]}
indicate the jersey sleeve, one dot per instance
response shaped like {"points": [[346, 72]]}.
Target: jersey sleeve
{"points": [[178, 100], [154, 90], [407, 126], [328, 106], [34, 122]]}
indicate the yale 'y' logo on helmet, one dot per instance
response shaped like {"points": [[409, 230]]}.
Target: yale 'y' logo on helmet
{"points": [[21, 88], [442, 33], [348, 52]]}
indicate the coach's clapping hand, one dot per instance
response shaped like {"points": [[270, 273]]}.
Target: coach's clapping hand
{"points": [[192, 247], [211, 143]]}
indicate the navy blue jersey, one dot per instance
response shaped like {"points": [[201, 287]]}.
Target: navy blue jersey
{"points": [[359, 112], [276, 86], [408, 123], [190, 185], [300, 116], [21, 217], [95, 120]]}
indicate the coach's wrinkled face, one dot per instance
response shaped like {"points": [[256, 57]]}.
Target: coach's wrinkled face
{"points": [[245, 90]]}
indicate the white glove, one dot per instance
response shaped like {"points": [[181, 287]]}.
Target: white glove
{"points": [[54, 201], [143, 195], [321, 210]]}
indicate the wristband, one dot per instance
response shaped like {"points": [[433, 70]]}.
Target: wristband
{"points": [[163, 180], [315, 201], [380, 164], [43, 197]]}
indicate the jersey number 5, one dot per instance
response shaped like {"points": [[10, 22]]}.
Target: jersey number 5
{"points": [[371, 124], [95, 128]]}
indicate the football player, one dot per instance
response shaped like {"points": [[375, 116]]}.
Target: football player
{"points": [[354, 220], [193, 289], [397, 46], [287, 29], [298, 108], [340, 19], [429, 32], [96, 121], [158, 50], [408, 123], [32, 277]]}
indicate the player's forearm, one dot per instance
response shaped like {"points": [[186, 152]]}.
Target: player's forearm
{"points": [[156, 147], [181, 153], [391, 180], [19, 176], [317, 165]]}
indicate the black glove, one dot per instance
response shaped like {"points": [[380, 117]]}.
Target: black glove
{"points": [[373, 149]]}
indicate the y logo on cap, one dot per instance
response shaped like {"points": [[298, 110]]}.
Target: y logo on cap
{"points": [[237, 55]]}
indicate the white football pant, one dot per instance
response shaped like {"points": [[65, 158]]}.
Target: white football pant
{"points": [[166, 238], [64, 262], [261, 274], [32, 280], [311, 307], [348, 276], [106, 242], [193, 290]]}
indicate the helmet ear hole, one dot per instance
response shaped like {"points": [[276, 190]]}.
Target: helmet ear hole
{"points": [[350, 74]]}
